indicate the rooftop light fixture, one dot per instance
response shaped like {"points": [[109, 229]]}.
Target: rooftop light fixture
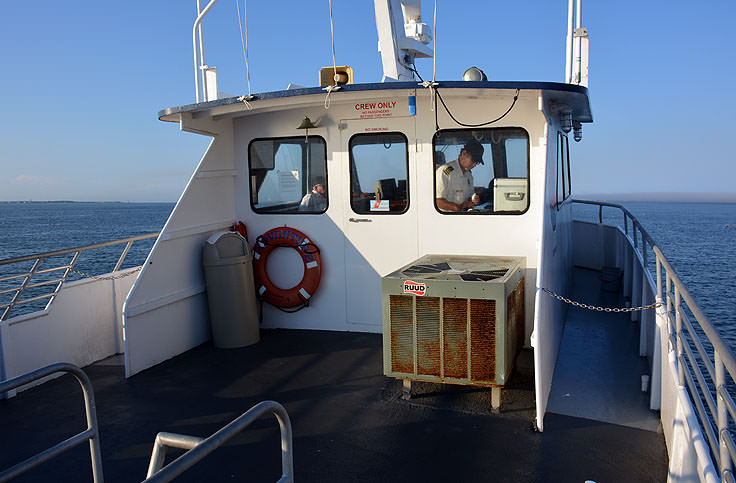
{"points": [[566, 121], [474, 74], [577, 130]]}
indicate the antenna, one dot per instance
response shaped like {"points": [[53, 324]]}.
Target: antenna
{"points": [[402, 37], [576, 46]]}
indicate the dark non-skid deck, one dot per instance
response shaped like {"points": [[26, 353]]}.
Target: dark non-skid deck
{"points": [[350, 422]]}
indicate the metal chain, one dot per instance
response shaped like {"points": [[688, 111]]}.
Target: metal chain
{"points": [[111, 277], [601, 309]]}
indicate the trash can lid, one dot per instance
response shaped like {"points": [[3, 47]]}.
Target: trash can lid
{"points": [[225, 244]]}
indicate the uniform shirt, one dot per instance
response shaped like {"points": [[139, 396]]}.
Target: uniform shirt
{"points": [[313, 201], [454, 184]]}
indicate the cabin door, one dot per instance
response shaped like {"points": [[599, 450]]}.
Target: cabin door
{"points": [[380, 220]]}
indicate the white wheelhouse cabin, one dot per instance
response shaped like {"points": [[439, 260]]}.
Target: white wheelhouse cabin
{"points": [[254, 171]]}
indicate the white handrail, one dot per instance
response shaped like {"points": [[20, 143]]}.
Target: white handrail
{"points": [[91, 434], [201, 44], [34, 271], [199, 448], [195, 29]]}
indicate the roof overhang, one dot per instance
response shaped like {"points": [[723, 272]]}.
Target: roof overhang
{"points": [[557, 95]]}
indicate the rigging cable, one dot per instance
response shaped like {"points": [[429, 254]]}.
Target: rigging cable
{"points": [[432, 86], [516, 96], [335, 86], [244, 43], [434, 45]]}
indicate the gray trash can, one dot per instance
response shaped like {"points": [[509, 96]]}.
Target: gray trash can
{"points": [[228, 273]]}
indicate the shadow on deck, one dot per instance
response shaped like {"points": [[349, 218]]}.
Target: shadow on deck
{"points": [[349, 421]]}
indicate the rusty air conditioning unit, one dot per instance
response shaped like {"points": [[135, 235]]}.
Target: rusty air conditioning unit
{"points": [[454, 319]]}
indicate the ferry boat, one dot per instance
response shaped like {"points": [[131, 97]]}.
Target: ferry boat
{"points": [[417, 293]]}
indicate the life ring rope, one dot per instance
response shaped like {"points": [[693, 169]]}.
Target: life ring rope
{"points": [[263, 242], [301, 294]]}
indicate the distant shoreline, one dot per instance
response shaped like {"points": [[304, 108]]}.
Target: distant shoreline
{"points": [[720, 197], [17, 202]]}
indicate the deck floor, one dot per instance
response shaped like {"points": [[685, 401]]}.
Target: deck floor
{"points": [[598, 373], [349, 421]]}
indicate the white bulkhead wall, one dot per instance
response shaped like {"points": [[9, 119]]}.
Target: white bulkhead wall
{"points": [[394, 240], [165, 312], [554, 272]]}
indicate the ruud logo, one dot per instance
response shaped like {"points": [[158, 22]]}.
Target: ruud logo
{"points": [[416, 288]]}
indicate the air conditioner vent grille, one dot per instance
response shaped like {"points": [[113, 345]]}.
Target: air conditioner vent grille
{"points": [[428, 335], [455, 327], [402, 334], [483, 340]]}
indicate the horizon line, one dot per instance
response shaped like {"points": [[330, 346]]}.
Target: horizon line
{"points": [[649, 196]]}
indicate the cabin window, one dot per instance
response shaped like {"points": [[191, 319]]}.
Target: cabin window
{"points": [[497, 185], [379, 165], [288, 175], [563, 188], [567, 166]]}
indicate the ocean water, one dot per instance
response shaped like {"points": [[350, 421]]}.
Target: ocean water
{"points": [[29, 228], [39, 227], [699, 240]]}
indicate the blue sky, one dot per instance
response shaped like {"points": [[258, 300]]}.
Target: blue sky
{"points": [[83, 82]]}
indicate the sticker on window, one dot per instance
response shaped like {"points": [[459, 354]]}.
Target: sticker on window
{"points": [[380, 205]]}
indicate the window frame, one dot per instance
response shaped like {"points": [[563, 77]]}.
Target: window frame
{"points": [[260, 211], [438, 134], [351, 163], [562, 168]]}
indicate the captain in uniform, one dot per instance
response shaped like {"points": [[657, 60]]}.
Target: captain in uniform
{"points": [[454, 181]]}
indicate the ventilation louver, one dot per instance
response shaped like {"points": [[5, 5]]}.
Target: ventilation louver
{"points": [[454, 319]]}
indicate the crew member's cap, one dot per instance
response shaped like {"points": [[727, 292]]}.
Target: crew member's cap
{"points": [[475, 149]]}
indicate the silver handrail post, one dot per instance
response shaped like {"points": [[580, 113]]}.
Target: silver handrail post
{"points": [[199, 450], [20, 290], [678, 336], [168, 440], [68, 270], [725, 457], [122, 256], [659, 278], [92, 432], [195, 29], [668, 291], [634, 226]]}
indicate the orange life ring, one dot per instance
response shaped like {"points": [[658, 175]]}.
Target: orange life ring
{"points": [[301, 293]]}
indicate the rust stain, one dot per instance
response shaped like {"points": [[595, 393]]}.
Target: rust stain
{"points": [[483, 340], [428, 336], [515, 316], [455, 337], [402, 334]]}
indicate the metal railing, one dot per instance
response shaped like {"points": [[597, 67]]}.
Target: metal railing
{"points": [[199, 448], [91, 433], [56, 281], [699, 347]]}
